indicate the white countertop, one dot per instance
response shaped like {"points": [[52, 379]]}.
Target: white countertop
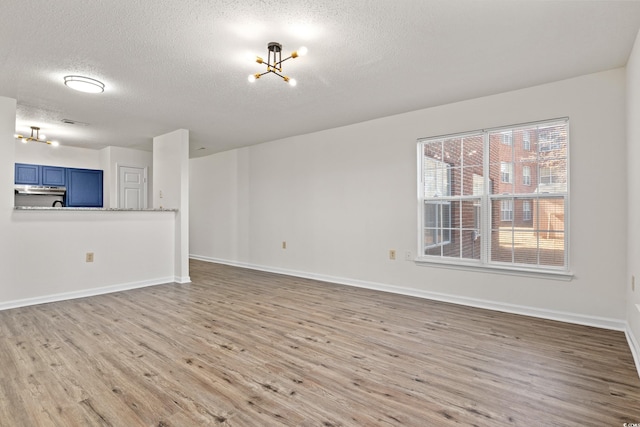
{"points": [[34, 208]]}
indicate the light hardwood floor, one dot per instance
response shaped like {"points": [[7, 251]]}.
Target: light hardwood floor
{"points": [[245, 348]]}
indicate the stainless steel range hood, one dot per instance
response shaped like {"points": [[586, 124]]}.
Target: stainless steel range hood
{"points": [[40, 190]]}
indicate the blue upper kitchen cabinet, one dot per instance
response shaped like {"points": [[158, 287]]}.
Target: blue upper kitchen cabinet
{"points": [[27, 174], [53, 176], [84, 188]]}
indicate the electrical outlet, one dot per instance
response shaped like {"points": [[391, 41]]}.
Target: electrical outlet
{"points": [[408, 256], [392, 254], [284, 244], [89, 257]]}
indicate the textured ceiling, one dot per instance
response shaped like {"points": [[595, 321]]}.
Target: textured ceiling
{"points": [[184, 64]]}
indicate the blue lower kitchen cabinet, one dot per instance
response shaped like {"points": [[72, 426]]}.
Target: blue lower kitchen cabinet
{"points": [[84, 188]]}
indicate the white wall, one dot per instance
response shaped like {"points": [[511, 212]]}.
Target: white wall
{"points": [[63, 156], [342, 198], [633, 194], [42, 255], [171, 191], [216, 185]]}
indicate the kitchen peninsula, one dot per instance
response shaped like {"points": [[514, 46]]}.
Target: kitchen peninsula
{"points": [[84, 251]]}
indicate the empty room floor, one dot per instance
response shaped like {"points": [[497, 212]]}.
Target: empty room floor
{"points": [[246, 348]]}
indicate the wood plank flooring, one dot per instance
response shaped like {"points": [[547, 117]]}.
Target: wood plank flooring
{"points": [[244, 348]]}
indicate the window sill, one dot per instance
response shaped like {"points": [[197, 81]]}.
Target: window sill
{"points": [[496, 269]]}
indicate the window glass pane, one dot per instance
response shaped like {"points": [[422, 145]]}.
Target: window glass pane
{"points": [[552, 250], [437, 178], [502, 230], [473, 181], [552, 176], [550, 216], [471, 244], [433, 150], [457, 178], [468, 237], [552, 140], [437, 223], [473, 152], [451, 151], [525, 246], [502, 245]]}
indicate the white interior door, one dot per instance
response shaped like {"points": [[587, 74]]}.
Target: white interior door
{"points": [[132, 185]]}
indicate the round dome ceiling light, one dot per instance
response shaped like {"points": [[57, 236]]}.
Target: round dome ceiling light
{"points": [[84, 84]]}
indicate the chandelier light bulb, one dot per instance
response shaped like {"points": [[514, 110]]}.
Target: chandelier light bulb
{"points": [[23, 140], [302, 51], [292, 82], [251, 78], [55, 143], [42, 136]]}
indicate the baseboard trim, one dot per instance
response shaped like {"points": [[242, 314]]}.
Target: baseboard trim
{"points": [[182, 280], [634, 346], [580, 319], [84, 293]]}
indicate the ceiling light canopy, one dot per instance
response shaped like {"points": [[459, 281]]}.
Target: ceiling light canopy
{"points": [[84, 84], [36, 137], [274, 62]]}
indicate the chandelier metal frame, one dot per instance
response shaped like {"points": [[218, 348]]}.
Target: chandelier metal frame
{"points": [[274, 62], [36, 137]]}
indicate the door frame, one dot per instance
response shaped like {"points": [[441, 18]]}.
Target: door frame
{"points": [[145, 188]]}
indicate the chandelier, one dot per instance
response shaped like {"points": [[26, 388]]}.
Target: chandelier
{"points": [[274, 62], [35, 136]]}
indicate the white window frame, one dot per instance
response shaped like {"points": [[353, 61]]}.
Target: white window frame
{"points": [[489, 198]]}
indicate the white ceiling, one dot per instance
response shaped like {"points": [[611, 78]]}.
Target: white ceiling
{"points": [[171, 64]]}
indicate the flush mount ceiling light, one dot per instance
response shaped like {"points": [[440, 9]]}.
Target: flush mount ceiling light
{"points": [[36, 137], [274, 62], [84, 84]]}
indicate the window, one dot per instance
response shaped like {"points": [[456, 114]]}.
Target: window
{"points": [[507, 138], [548, 175], [474, 214], [526, 175], [506, 210], [526, 140], [549, 139], [526, 210], [506, 171]]}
